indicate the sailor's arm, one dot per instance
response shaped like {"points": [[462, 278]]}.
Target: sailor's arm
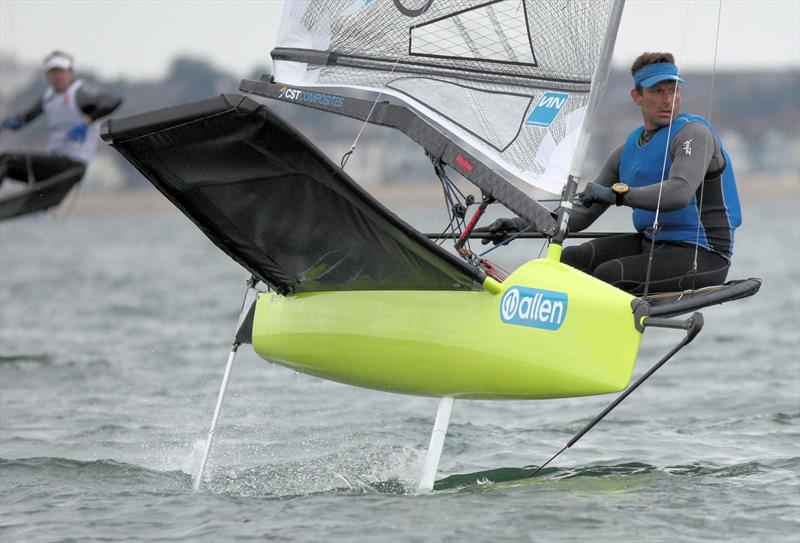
{"points": [[96, 104], [581, 216], [18, 121], [693, 149]]}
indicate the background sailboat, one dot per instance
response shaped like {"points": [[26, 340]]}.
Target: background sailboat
{"points": [[38, 195]]}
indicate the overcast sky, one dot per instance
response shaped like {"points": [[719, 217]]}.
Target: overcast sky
{"points": [[138, 39]]}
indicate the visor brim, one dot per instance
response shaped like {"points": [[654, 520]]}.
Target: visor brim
{"points": [[654, 80]]}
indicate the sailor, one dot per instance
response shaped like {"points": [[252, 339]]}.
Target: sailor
{"points": [[71, 108], [696, 205]]}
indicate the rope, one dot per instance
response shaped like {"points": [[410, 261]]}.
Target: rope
{"points": [[664, 162], [505, 242], [452, 196], [705, 150], [68, 207], [347, 155]]}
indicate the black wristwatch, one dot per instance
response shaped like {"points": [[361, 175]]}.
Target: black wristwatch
{"points": [[619, 190]]}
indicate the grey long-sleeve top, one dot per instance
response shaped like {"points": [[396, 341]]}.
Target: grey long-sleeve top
{"points": [[687, 172]]}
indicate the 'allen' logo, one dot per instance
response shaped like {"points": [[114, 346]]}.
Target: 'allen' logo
{"points": [[534, 307]]}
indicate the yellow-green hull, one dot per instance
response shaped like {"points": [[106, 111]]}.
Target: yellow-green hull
{"points": [[456, 343]]}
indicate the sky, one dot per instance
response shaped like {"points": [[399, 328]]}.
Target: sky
{"points": [[138, 39]]}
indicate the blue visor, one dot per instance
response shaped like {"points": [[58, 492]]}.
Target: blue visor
{"points": [[653, 74]]}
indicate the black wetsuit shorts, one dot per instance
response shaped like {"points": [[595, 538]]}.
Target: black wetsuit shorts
{"points": [[622, 261]]}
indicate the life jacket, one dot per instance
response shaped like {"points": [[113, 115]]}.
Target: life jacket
{"points": [[63, 113], [641, 165]]}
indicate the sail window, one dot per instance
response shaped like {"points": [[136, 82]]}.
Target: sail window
{"points": [[497, 31]]}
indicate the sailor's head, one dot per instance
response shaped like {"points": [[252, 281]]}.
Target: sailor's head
{"points": [[656, 89], [58, 68]]}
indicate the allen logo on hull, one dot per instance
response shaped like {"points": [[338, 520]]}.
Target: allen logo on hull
{"points": [[534, 307]]}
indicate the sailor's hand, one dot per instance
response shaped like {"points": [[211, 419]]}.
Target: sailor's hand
{"points": [[500, 229], [77, 133], [12, 122], [596, 193]]}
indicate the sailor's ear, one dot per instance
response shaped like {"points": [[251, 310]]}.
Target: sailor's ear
{"points": [[636, 96]]}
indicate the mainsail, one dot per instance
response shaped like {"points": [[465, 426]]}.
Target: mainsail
{"points": [[506, 82]]}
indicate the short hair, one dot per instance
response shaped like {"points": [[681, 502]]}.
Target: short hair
{"points": [[645, 59]]}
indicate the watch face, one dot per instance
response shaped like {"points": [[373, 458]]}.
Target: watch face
{"points": [[620, 188]]}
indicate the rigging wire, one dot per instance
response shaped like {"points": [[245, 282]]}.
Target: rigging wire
{"points": [[454, 200], [349, 153], [511, 238], [505, 241], [706, 148], [654, 228], [67, 208]]}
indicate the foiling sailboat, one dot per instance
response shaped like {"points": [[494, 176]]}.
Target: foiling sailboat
{"points": [[504, 92], [38, 195]]}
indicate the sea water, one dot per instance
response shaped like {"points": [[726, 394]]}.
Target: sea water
{"points": [[114, 332]]}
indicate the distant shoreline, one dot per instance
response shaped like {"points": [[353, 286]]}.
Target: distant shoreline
{"points": [[151, 202]]}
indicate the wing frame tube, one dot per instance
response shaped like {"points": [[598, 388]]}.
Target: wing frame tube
{"points": [[436, 140]]}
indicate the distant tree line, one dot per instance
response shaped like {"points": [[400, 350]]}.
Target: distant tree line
{"points": [[750, 103]]}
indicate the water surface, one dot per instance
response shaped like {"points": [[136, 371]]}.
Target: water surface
{"points": [[114, 333]]}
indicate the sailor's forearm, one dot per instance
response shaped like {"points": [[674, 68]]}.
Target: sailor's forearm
{"points": [[582, 217], [31, 113], [675, 193]]}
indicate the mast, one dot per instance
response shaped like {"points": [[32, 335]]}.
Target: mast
{"points": [[599, 81]]}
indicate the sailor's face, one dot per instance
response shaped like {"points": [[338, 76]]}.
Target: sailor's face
{"points": [[59, 78], [660, 104]]}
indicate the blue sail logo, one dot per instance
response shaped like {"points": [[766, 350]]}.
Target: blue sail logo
{"points": [[534, 307], [547, 109]]}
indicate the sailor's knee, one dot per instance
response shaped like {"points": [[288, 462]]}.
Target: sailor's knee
{"points": [[610, 272], [578, 256]]}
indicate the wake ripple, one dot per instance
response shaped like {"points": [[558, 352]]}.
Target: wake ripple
{"points": [[288, 482], [500, 476], [29, 472]]}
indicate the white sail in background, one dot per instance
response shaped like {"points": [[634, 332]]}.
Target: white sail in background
{"points": [[509, 77]]}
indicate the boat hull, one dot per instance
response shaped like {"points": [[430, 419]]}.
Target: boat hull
{"points": [[460, 344], [38, 196]]}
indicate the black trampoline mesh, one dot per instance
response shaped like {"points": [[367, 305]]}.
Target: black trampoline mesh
{"points": [[273, 202]]}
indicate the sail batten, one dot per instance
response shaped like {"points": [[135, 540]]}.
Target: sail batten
{"points": [[380, 65]]}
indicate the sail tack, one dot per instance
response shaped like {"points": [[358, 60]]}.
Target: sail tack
{"points": [[509, 79]]}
